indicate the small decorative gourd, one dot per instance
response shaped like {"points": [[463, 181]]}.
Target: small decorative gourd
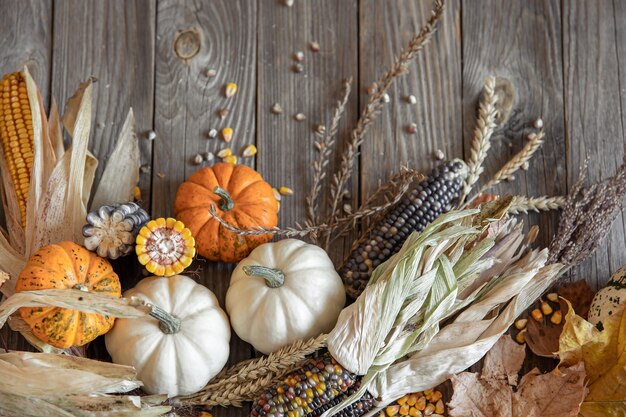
{"points": [[282, 292], [67, 265], [111, 230], [239, 196], [165, 247], [609, 299], [181, 345]]}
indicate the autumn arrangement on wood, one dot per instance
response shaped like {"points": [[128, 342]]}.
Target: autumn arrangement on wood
{"points": [[441, 275]]}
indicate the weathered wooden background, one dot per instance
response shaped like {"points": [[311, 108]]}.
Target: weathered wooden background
{"points": [[566, 59]]}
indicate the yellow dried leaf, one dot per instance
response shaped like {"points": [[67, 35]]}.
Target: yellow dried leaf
{"points": [[602, 352]]}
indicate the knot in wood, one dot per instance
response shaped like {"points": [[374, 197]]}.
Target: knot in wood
{"points": [[187, 44]]}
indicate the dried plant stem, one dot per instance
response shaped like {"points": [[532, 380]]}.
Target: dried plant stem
{"points": [[516, 162], [325, 146], [587, 216], [485, 126], [246, 380], [371, 111], [522, 204]]}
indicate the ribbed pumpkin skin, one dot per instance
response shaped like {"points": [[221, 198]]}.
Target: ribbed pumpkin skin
{"points": [[65, 265], [254, 206]]}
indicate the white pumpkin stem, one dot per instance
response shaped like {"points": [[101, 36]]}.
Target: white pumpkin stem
{"points": [[274, 278], [226, 202], [168, 323]]}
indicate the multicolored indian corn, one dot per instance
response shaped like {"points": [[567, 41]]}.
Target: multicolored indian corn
{"points": [[16, 135], [427, 201]]}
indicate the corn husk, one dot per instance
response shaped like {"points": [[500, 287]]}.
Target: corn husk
{"points": [[122, 172], [80, 387], [438, 306]]}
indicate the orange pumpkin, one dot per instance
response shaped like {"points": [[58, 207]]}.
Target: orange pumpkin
{"points": [[240, 196], [67, 265]]}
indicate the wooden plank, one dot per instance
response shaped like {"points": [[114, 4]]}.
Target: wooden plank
{"points": [[25, 39], [520, 41], [285, 145], [594, 54], [434, 79], [114, 42], [191, 39]]}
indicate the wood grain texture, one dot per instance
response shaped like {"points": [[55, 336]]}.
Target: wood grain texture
{"points": [[594, 51], [434, 79], [222, 35], [112, 41], [520, 42], [285, 145], [25, 39]]}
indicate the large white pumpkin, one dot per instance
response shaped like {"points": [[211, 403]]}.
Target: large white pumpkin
{"points": [[282, 292], [184, 348], [610, 299]]}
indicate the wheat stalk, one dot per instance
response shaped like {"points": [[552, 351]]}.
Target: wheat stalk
{"points": [[485, 126], [373, 108], [246, 380], [522, 204], [513, 165], [325, 146]]}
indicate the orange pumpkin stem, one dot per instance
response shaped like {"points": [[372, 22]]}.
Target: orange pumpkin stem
{"points": [[226, 202], [274, 278], [168, 323]]}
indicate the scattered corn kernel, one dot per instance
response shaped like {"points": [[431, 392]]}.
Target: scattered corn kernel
{"points": [[537, 315], [250, 150], [521, 324], [230, 159], [546, 309], [224, 153], [554, 297], [556, 318], [223, 112], [230, 90], [392, 410], [285, 191], [137, 194], [521, 337], [227, 134]]}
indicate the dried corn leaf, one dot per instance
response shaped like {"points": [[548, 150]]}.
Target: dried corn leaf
{"points": [[44, 158], [79, 385], [55, 130], [121, 174], [72, 106], [89, 302], [12, 263], [91, 164]]}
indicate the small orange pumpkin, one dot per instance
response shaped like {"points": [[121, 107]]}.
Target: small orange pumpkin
{"points": [[240, 196], [67, 265]]}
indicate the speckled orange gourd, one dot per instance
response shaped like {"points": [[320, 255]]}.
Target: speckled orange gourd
{"points": [[246, 201], [67, 265], [16, 135]]}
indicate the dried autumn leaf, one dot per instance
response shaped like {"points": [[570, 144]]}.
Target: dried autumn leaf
{"points": [[543, 338], [604, 356], [579, 294], [556, 394]]}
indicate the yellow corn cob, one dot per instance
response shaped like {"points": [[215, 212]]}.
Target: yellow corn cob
{"points": [[16, 135]]}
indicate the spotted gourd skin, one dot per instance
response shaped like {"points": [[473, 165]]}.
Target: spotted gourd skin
{"points": [[65, 265], [254, 206]]}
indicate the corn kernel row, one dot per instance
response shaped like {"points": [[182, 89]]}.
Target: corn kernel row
{"points": [[419, 404], [16, 135]]}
